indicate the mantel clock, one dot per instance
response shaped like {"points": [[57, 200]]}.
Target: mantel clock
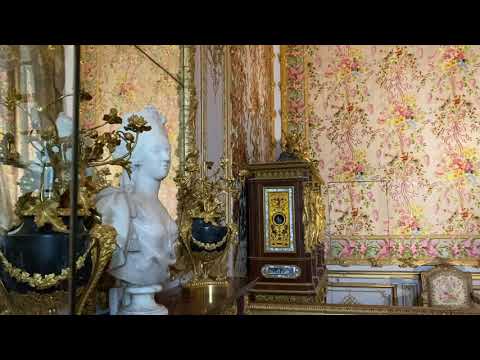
{"points": [[285, 229]]}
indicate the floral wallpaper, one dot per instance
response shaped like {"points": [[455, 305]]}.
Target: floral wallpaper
{"points": [[396, 131], [251, 92], [120, 76]]}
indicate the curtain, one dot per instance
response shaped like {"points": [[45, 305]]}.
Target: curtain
{"points": [[37, 72]]}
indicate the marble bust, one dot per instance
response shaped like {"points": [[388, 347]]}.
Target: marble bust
{"points": [[146, 232]]}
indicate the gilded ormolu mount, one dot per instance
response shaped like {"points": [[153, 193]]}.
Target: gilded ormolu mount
{"points": [[200, 199], [286, 216], [95, 150], [8, 152], [49, 210], [206, 241], [296, 148]]}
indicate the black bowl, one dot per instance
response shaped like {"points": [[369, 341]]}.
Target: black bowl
{"points": [[41, 251], [211, 238]]}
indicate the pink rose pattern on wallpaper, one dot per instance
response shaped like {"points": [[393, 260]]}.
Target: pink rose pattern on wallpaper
{"points": [[295, 83], [396, 130]]}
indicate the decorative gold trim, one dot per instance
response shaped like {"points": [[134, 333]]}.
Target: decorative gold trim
{"points": [[203, 110], [270, 65], [191, 172], [33, 303], [6, 305], [285, 121], [279, 170], [265, 298], [189, 106], [305, 97], [283, 93], [474, 262], [276, 239], [252, 308], [383, 275], [188, 157], [104, 242], [405, 237], [205, 284], [39, 281], [227, 118], [209, 246], [313, 216]]}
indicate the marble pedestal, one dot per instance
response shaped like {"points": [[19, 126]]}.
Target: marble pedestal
{"points": [[137, 301]]}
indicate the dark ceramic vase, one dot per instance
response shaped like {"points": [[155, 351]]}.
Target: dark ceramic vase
{"points": [[210, 237], [42, 251]]}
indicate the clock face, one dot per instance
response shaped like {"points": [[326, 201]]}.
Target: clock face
{"points": [[279, 219], [449, 290]]}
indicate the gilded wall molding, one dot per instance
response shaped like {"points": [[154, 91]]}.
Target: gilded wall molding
{"points": [[188, 154], [203, 109], [189, 103], [270, 68], [375, 262], [294, 94], [227, 120], [252, 308]]}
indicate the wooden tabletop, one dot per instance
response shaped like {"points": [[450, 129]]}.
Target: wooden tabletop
{"points": [[211, 300]]}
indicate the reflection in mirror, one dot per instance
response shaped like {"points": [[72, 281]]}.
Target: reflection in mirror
{"points": [[33, 92]]}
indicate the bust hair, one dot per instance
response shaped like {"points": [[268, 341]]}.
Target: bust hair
{"points": [[157, 122]]}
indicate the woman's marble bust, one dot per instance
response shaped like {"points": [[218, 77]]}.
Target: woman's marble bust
{"points": [[146, 232]]}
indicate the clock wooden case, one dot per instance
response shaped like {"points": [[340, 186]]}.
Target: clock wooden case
{"points": [[277, 255]]}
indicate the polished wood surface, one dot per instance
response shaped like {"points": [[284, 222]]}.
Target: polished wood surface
{"points": [[212, 300]]}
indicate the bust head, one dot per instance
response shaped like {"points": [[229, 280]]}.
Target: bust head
{"points": [[151, 156]]}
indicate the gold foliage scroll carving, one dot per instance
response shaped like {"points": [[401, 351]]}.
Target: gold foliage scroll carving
{"points": [[278, 207]]}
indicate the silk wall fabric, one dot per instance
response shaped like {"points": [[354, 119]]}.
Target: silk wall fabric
{"points": [[396, 130]]}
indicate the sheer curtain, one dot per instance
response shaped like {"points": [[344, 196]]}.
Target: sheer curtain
{"points": [[37, 72], [8, 67]]}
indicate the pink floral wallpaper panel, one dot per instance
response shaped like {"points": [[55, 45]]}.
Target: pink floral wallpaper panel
{"points": [[396, 130]]}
